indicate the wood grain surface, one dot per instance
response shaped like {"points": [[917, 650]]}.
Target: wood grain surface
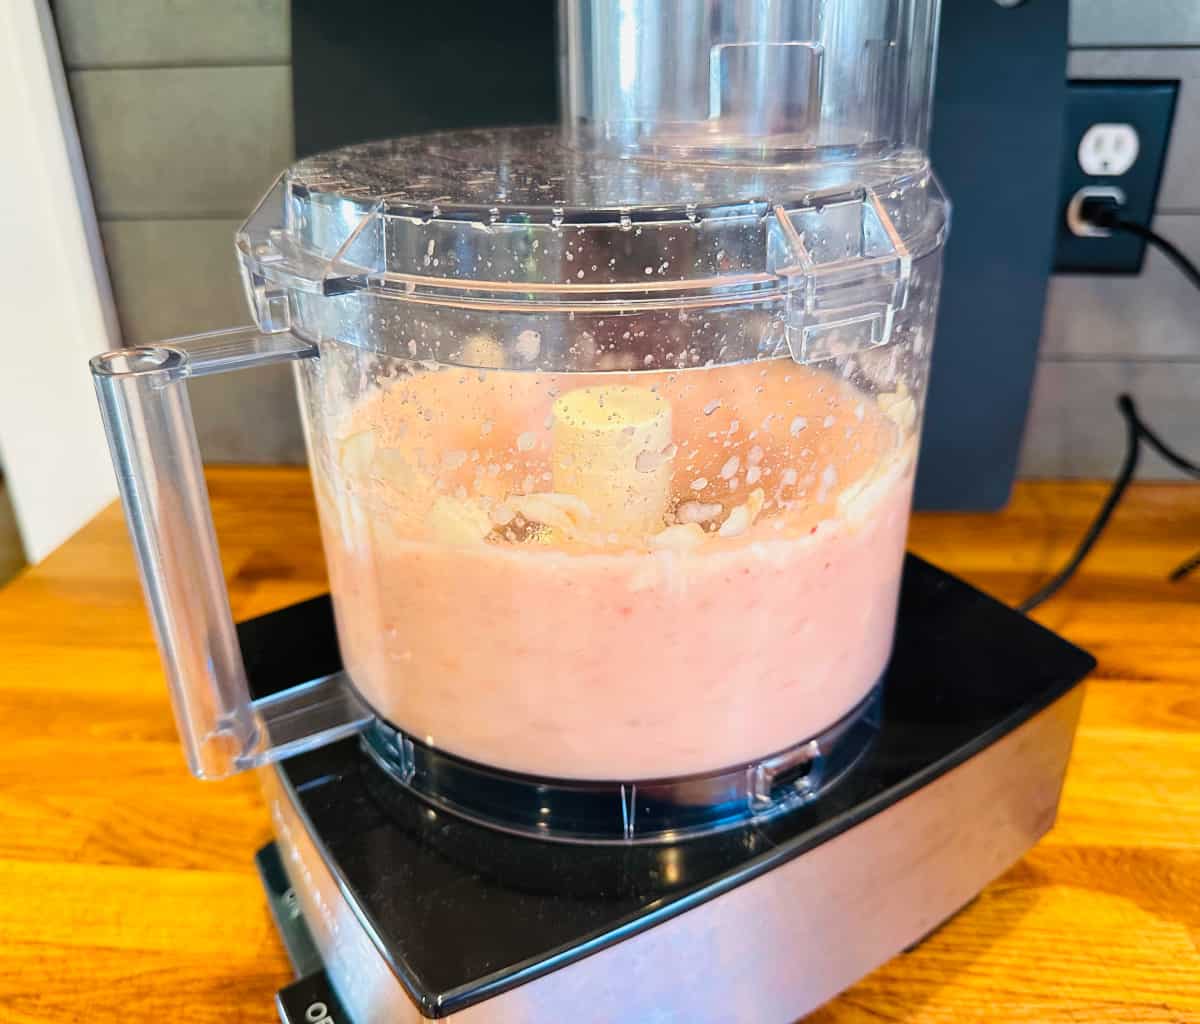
{"points": [[128, 894]]}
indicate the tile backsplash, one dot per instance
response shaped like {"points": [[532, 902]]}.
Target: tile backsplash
{"points": [[166, 143], [185, 116], [173, 33]]}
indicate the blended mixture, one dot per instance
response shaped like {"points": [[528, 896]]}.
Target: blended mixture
{"points": [[616, 576]]}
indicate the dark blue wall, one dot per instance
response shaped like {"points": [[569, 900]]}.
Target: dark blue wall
{"points": [[997, 148]]}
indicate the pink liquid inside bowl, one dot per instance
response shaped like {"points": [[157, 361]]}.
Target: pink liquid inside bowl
{"points": [[610, 654]]}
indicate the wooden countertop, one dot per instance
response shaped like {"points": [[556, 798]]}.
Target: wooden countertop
{"points": [[128, 893]]}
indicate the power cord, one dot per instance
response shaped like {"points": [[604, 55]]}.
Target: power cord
{"points": [[1104, 212]]}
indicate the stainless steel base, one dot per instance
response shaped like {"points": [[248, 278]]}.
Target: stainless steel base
{"points": [[771, 949]]}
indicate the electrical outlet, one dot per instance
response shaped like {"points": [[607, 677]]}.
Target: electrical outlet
{"points": [[1117, 133], [1108, 149]]}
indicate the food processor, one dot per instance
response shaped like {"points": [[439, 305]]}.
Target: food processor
{"points": [[612, 428]]}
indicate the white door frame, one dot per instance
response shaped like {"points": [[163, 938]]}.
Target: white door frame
{"points": [[56, 304]]}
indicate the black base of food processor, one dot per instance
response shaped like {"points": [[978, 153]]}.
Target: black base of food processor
{"points": [[395, 910]]}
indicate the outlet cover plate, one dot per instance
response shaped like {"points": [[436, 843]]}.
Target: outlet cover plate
{"points": [[1148, 107]]}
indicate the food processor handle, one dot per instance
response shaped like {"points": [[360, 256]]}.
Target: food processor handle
{"points": [[148, 419]]}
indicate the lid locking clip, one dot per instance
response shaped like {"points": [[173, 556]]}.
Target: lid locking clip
{"points": [[848, 273]]}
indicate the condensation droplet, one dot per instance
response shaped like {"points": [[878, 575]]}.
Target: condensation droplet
{"points": [[798, 424], [730, 468], [529, 344], [711, 407], [526, 441]]}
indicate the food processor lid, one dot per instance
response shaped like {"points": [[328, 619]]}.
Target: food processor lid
{"points": [[515, 219]]}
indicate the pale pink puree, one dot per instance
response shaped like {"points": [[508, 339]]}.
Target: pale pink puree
{"points": [[621, 662]]}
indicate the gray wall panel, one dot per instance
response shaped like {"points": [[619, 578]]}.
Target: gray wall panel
{"points": [[173, 277], [1135, 23], [1074, 428], [125, 33], [183, 142], [248, 416]]}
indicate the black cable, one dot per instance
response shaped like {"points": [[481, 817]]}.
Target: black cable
{"points": [[1123, 479], [1157, 443], [1104, 212], [1136, 432], [1182, 570], [1186, 266]]}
